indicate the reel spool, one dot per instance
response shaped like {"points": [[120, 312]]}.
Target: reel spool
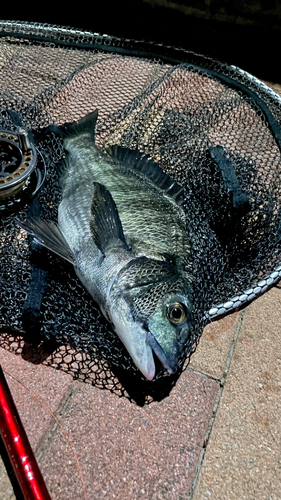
{"points": [[22, 169]]}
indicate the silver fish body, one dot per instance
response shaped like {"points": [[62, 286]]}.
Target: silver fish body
{"points": [[121, 223]]}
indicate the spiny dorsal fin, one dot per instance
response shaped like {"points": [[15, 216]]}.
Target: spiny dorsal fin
{"points": [[84, 125], [50, 236], [143, 163], [106, 227]]}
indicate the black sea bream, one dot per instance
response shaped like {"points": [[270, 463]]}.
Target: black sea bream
{"points": [[121, 224]]}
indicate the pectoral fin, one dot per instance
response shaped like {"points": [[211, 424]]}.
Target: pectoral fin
{"points": [[50, 236], [106, 227]]}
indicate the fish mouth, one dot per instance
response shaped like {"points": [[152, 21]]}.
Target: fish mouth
{"points": [[143, 347], [171, 363]]}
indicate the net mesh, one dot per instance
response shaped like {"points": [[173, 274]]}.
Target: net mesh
{"points": [[185, 111]]}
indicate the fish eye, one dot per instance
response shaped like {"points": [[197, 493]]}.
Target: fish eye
{"points": [[177, 313]]}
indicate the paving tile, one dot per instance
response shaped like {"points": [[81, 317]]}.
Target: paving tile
{"points": [[128, 451], [212, 352], [7, 492], [243, 456], [49, 385]]}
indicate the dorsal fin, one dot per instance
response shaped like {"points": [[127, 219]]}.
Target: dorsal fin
{"points": [[143, 163], [86, 124]]}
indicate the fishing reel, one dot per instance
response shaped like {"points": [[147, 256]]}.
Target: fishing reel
{"points": [[22, 168]]}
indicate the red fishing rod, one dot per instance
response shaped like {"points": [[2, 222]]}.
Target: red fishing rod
{"points": [[18, 447]]}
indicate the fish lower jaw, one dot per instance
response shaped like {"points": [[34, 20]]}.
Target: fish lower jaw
{"points": [[134, 337], [150, 373], [146, 365]]}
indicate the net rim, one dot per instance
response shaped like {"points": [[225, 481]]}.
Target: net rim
{"points": [[165, 51]]}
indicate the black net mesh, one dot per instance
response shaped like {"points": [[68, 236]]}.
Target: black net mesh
{"points": [[212, 127]]}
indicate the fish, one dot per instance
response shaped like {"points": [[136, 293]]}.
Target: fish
{"points": [[122, 225]]}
